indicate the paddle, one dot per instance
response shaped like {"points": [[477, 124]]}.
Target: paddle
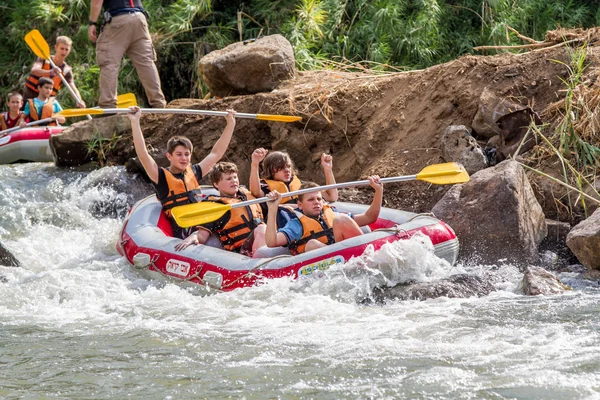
{"points": [[206, 211], [77, 112], [123, 101], [40, 48]]}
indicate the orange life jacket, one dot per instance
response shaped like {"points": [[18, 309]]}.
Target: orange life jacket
{"points": [[181, 192], [47, 111], [314, 229], [285, 187], [6, 118], [32, 80], [240, 222]]}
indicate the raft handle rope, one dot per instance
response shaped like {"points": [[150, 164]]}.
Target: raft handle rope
{"points": [[428, 214], [250, 272]]}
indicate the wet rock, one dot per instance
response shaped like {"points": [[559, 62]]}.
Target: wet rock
{"points": [[556, 243], [249, 68], [584, 241], [7, 259], [495, 216], [85, 141], [538, 281], [458, 145], [456, 286]]}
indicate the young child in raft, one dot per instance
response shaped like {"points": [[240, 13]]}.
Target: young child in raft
{"points": [[179, 183], [279, 174], [44, 106], [318, 224], [240, 230], [14, 115]]}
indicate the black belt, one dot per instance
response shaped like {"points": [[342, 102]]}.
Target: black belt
{"points": [[116, 13]]}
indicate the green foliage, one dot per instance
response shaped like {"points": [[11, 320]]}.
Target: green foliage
{"points": [[100, 147], [406, 33]]}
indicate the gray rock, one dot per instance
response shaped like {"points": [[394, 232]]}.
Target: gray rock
{"points": [[538, 281], [584, 241], [7, 259], [80, 143], [456, 286], [247, 69], [490, 108], [495, 216], [458, 145]]}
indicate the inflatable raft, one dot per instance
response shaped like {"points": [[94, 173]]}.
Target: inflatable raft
{"points": [[147, 243], [27, 144]]}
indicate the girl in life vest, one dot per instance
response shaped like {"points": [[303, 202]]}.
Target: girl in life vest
{"points": [[14, 115], [279, 173], [318, 225], [242, 229]]}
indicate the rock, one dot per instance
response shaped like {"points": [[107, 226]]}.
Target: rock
{"points": [[458, 145], [513, 128], [456, 286], [538, 281], [584, 241], [495, 216], [250, 68], [556, 243], [7, 259], [86, 141], [489, 110]]}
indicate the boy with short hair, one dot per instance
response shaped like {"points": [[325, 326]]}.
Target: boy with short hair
{"points": [[179, 183], [44, 106], [14, 115], [241, 230], [318, 224], [43, 68]]}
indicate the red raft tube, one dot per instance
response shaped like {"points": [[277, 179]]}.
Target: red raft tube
{"points": [[27, 144], [147, 243]]}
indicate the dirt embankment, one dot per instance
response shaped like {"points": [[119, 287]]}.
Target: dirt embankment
{"points": [[387, 125]]}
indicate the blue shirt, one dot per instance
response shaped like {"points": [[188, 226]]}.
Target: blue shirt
{"points": [[38, 104], [293, 229]]}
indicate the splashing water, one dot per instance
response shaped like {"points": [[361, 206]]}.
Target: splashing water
{"points": [[77, 321]]}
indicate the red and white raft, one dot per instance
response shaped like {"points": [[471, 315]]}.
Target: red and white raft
{"points": [[147, 243], [27, 144]]}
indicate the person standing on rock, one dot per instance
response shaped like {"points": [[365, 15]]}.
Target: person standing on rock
{"points": [[125, 31], [179, 184]]}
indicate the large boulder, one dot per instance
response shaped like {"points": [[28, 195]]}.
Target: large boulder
{"points": [[87, 141], [584, 241], [249, 68], [490, 108], [458, 145], [495, 216]]}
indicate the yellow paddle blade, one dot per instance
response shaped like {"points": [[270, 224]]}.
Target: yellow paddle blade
{"points": [[79, 112], [38, 44], [444, 174], [199, 213], [126, 100], [280, 118]]}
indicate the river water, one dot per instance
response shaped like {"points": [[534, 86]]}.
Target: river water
{"points": [[76, 321]]}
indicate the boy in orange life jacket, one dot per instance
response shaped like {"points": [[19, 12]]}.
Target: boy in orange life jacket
{"points": [[14, 115], [178, 184], [43, 106], [239, 229], [318, 225], [42, 68]]}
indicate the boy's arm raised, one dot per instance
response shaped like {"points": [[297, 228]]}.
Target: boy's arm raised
{"points": [[272, 237], [139, 143], [372, 213], [219, 149], [257, 156], [331, 195]]}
